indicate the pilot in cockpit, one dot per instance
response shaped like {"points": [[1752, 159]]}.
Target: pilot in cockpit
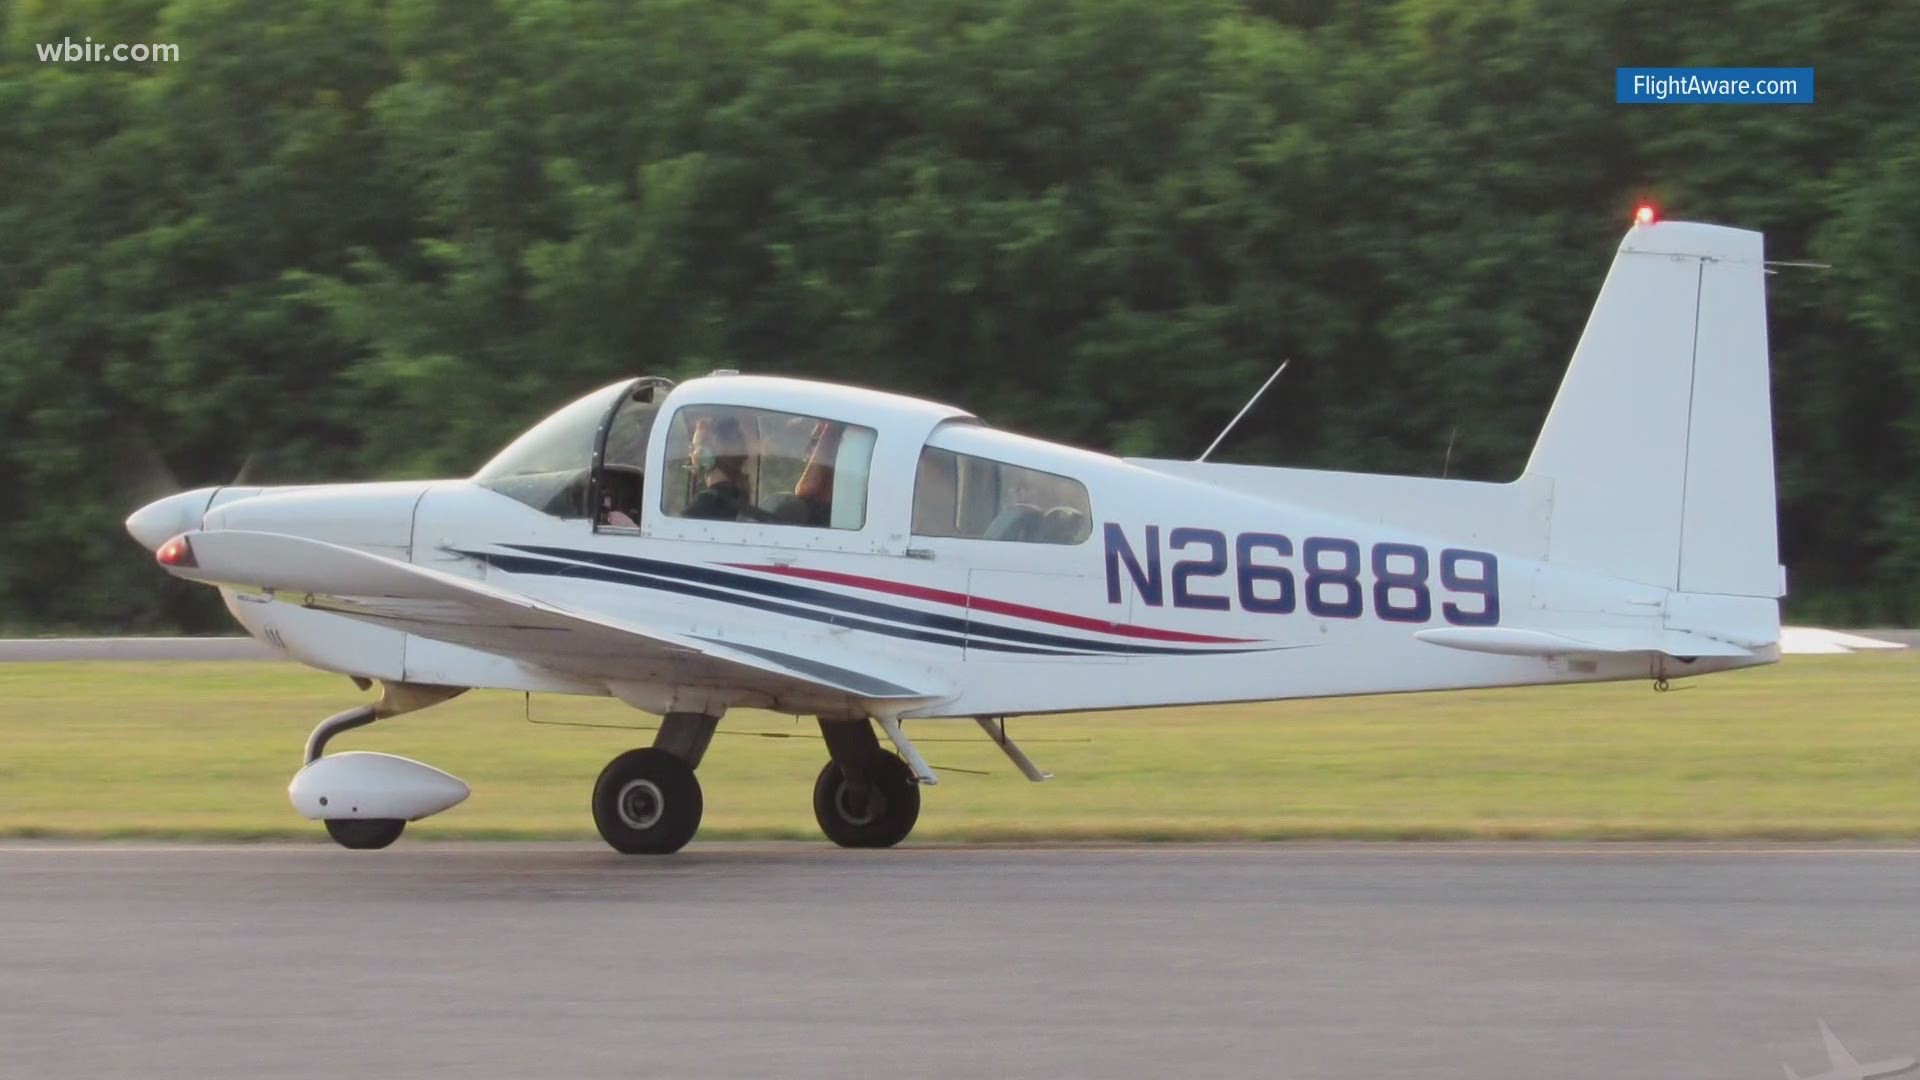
{"points": [[718, 453]]}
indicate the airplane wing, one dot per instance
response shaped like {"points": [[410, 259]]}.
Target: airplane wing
{"points": [[453, 609]]}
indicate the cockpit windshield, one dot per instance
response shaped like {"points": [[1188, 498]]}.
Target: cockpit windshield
{"points": [[547, 468]]}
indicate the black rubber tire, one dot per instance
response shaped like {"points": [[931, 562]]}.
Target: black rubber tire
{"points": [[647, 802], [892, 809], [365, 834]]}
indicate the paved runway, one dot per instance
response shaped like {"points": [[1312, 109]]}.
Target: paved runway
{"points": [[206, 649], [1292, 961]]}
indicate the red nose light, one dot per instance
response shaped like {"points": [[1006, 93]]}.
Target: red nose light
{"points": [[176, 552], [1645, 215]]}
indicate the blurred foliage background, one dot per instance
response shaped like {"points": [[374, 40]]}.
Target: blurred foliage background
{"points": [[375, 238]]}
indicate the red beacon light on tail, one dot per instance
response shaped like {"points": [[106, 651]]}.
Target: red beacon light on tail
{"points": [[1645, 215]]}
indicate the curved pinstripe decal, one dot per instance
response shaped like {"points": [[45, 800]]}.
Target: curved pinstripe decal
{"points": [[932, 627], [522, 564], [997, 607], [858, 682]]}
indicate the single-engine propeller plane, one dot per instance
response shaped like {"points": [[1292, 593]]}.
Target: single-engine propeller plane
{"points": [[871, 559]]}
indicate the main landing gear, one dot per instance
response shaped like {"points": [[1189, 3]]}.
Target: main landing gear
{"points": [[865, 797], [648, 802]]}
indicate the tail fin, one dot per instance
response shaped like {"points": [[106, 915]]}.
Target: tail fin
{"points": [[1660, 443]]}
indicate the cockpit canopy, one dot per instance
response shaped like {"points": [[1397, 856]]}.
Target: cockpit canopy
{"points": [[550, 468]]}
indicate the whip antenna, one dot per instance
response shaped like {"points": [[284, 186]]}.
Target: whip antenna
{"points": [[1243, 411]]}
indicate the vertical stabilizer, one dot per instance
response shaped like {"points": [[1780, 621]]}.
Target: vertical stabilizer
{"points": [[1659, 446]]}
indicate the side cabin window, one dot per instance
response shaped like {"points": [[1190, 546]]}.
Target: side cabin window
{"points": [[960, 495], [732, 463]]}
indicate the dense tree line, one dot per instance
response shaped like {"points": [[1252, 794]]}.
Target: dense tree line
{"points": [[374, 238]]}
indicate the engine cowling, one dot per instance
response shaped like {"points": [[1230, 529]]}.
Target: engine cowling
{"points": [[365, 784]]}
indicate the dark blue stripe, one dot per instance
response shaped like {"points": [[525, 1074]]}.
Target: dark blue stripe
{"points": [[521, 564], [840, 678], [972, 629]]}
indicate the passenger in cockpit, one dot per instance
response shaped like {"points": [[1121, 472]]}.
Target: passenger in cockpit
{"points": [[812, 499]]}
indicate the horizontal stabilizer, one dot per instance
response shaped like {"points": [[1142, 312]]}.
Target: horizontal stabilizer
{"points": [[1512, 641], [1808, 640]]}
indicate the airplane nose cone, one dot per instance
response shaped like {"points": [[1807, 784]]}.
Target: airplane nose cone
{"points": [[163, 519]]}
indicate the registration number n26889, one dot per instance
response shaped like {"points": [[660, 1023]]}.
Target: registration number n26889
{"points": [[1329, 577]]}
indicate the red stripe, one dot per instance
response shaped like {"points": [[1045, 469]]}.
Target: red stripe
{"points": [[997, 607]]}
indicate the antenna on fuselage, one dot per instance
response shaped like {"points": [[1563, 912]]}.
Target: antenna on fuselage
{"points": [[1215, 445]]}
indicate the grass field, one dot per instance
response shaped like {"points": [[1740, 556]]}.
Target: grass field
{"points": [[1816, 747]]}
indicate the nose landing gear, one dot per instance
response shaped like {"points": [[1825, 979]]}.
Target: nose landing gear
{"points": [[364, 834], [365, 799]]}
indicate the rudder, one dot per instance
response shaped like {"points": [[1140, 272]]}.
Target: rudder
{"points": [[1659, 445]]}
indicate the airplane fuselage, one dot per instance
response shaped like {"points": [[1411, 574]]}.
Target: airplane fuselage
{"points": [[1182, 594]]}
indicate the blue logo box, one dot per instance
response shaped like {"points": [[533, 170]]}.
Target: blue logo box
{"points": [[1704, 86]]}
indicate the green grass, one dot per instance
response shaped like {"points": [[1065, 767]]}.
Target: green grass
{"points": [[1817, 747]]}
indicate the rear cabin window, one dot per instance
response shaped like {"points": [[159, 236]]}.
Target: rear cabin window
{"points": [[976, 498], [731, 463]]}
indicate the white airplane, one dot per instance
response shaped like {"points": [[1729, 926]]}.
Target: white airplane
{"points": [[738, 541], [1842, 1065]]}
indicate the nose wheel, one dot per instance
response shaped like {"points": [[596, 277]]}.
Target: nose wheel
{"points": [[382, 792], [365, 834]]}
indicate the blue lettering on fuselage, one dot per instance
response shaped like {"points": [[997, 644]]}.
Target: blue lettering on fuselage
{"points": [[1335, 579], [1145, 579]]}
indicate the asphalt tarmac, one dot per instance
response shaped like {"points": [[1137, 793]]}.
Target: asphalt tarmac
{"points": [[203, 649], [806, 961]]}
